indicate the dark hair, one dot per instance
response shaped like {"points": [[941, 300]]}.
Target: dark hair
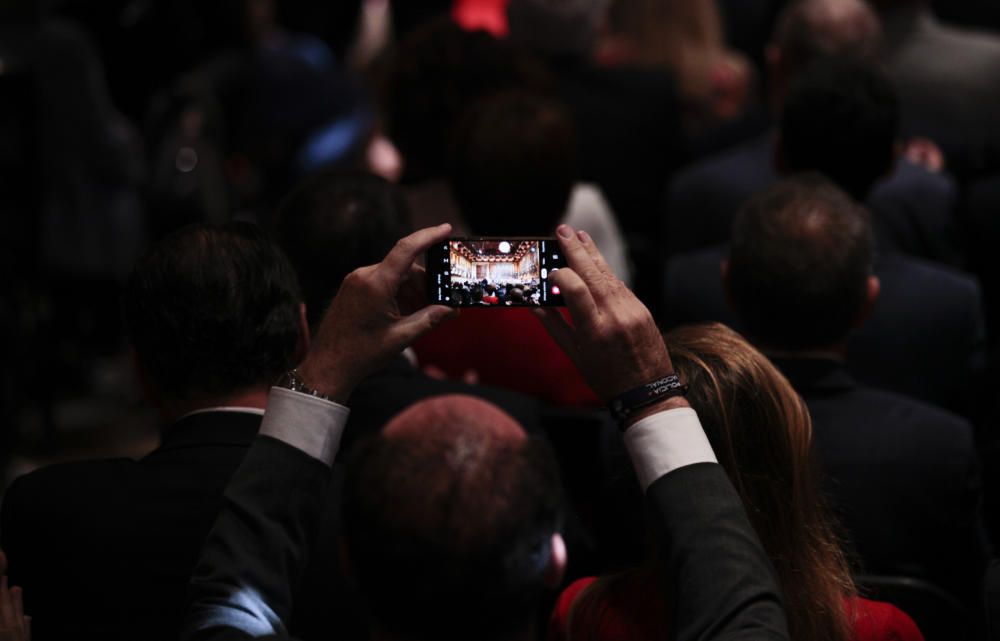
{"points": [[334, 223], [213, 310], [841, 118], [436, 73], [513, 164], [799, 261], [451, 540], [809, 30]]}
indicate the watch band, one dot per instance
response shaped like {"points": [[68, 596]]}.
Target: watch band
{"points": [[626, 403], [291, 380]]}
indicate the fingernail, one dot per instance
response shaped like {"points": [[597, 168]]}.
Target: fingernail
{"points": [[564, 232], [583, 236]]}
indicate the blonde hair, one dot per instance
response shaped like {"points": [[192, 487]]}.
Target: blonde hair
{"points": [[761, 432]]}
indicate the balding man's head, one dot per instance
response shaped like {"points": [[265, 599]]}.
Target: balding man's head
{"points": [[808, 30], [800, 265], [449, 516]]}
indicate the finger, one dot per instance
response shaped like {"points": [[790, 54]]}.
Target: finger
{"points": [[576, 294], [560, 331], [3, 562], [580, 261], [410, 328], [396, 265], [595, 254], [412, 294], [6, 606], [17, 600], [27, 628]]}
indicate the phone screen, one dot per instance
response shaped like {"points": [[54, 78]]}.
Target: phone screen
{"points": [[494, 272]]}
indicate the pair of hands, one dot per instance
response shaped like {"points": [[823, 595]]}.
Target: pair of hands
{"points": [[14, 626], [381, 309]]}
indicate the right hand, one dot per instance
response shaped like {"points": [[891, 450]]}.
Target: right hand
{"points": [[613, 340]]}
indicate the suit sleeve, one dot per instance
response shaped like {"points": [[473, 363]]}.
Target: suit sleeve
{"points": [[257, 551], [720, 583]]}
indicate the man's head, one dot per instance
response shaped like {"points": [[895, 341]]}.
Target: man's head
{"points": [[809, 30], [840, 118], [514, 164], [334, 223], [213, 312], [451, 515], [800, 265]]}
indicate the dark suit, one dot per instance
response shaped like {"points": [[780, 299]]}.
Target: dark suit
{"points": [[925, 337], [721, 582], [903, 477], [104, 549], [912, 210]]}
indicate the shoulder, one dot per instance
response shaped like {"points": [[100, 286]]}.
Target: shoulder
{"points": [[880, 621]]}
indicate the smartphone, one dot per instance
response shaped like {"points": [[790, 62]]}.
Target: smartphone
{"points": [[494, 272]]}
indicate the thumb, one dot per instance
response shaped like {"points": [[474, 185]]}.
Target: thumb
{"points": [[412, 327]]}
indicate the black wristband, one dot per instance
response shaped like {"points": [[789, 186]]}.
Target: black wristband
{"points": [[626, 403]]}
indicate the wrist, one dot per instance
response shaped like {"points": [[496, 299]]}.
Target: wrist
{"points": [[672, 403], [326, 381]]}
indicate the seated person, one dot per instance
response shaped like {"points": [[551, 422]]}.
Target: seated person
{"points": [[902, 475], [761, 431], [840, 119], [433, 562], [912, 206], [513, 169], [105, 548]]}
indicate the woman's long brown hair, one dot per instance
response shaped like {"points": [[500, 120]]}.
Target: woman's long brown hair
{"points": [[761, 432]]}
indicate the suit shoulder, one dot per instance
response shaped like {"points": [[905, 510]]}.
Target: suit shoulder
{"points": [[54, 488], [910, 413]]}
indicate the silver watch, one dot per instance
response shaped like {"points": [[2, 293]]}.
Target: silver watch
{"points": [[291, 380]]}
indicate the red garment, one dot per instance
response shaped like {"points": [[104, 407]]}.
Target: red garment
{"points": [[489, 15], [507, 348], [873, 620], [492, 300]]}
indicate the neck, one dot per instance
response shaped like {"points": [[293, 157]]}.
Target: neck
{"points": [[255, 397]]}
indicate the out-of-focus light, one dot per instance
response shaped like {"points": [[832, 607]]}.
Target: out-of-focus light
{"points": [[187, 160], [504, 247]]}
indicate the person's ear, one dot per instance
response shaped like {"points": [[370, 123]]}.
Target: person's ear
{"points": [[558, 558], [305, 338], [872, 291]]}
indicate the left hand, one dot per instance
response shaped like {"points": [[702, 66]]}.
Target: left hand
{"points": [[369, 321]]}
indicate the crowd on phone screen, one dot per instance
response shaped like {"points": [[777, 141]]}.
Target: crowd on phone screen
{"points": [[487, 293], [802, 195]]}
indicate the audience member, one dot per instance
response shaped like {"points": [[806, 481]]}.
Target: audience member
{"points": [[904, 476], [892, 348], [513, 168], [627, 116], [946, 79], [912, 206], [686, 37], [761, 431], [435, 466], [104, 549]]}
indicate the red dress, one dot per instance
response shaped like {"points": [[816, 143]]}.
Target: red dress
{"points": [[508, 348], [630, 621]]}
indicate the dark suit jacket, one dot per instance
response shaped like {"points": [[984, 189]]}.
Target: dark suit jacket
{"points": [[721, 582], [925, 338], [912, 210], [104, 549], [903, 477]]}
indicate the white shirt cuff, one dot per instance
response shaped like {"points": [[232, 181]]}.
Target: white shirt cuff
{"points": [[666, 441], [305, 422]]}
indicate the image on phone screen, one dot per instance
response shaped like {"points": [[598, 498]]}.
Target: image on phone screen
{"points": [[494, 272]]}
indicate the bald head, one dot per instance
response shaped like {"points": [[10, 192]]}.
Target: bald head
{"points": [[455, 496], [799, 265], [808, 30]]}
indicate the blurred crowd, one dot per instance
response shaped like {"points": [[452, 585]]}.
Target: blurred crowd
{"points": [[821, 176]]}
